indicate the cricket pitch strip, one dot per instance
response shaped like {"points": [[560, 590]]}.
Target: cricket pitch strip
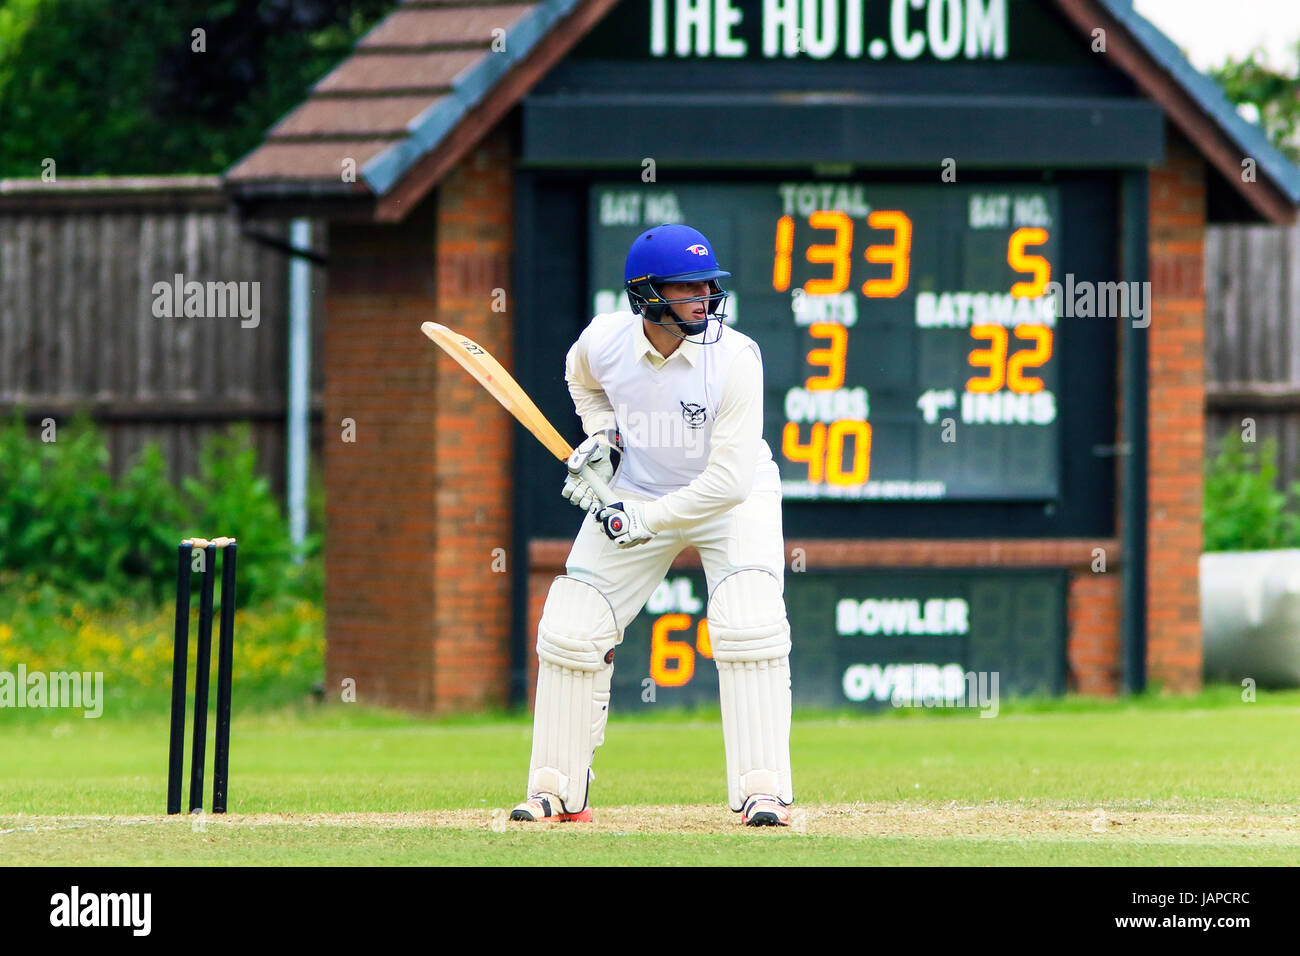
{"points": [[1280, 824]]}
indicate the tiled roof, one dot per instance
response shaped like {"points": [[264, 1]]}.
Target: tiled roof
{"points": [[410, 62]]}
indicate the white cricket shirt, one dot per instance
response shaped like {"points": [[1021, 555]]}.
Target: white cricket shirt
{"points": [[691, 423]]}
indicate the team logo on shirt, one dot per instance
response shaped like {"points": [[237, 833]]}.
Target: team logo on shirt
{"points": [[694, 414]]}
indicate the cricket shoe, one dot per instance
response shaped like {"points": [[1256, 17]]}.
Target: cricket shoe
{"points": [[548, 808], [764, 811]]}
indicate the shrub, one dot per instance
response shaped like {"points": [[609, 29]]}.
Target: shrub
{"points": [[230, 497], [65, 521], [1244, 510]]}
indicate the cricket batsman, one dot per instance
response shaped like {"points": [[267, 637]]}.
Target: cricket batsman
{"points": [[708, 481]]}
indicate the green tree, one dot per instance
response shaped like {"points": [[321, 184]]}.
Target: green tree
{"points": [[117, 87], [1275, 94]]}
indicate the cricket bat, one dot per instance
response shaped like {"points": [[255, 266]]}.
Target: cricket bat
{"points": [[488, 372]]}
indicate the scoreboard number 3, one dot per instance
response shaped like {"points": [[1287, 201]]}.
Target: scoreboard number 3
{"points": [[832, 358]]}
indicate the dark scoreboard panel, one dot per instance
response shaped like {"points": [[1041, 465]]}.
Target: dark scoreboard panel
{"points": [[866, 638], [908, 331]]}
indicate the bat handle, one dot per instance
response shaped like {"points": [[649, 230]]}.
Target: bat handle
{"points": [[603, 492]]}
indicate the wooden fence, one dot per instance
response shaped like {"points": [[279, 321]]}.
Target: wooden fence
{"points": [[1252, 337], [79, 322]]}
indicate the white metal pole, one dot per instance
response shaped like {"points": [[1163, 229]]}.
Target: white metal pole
{"points": [[299, 398]]}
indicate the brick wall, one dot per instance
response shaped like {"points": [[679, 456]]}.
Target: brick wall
{"points": [[416, 615], [472, 505], [380, 532], [1176, 435]]}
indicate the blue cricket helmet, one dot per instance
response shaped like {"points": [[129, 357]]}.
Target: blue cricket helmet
{"points": [[672, 253]]}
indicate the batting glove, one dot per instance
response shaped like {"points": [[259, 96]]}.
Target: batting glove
{"points": [[596, 452], [624, 522]]}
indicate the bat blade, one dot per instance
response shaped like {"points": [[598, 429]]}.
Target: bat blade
{"points": [[501, 385], [489, 373]]}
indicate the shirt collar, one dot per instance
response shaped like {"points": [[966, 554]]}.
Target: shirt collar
{"points": [[688, 350]]}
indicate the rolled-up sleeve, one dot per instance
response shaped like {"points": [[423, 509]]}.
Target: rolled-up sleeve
{"points": [[733, 453]]}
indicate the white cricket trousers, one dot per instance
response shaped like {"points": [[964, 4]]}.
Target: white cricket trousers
{"points": [[747, 536]]}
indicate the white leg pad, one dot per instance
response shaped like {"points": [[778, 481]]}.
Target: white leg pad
{"points": [[575, 654], [751, 645]]}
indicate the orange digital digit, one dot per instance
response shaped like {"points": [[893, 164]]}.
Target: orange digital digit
{"points": [[861, 432], [784, 246], [1035, 357], [663, 649], [831, 357], [703, 643], [993, 358], [836, 253], [897, 254], [1039, 267], [813, 453]]}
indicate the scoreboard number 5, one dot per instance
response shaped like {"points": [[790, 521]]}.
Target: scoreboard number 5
{"points": [[1039, 267]]}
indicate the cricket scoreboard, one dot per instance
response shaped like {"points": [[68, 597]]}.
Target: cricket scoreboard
{"points": [[908, 332]]}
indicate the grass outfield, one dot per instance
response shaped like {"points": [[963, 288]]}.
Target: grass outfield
{"points": [[1205, 781]]}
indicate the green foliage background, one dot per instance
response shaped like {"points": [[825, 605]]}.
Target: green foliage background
{"points": [[1275, 93], [65, 522], [1244, 508], [113, 86]]}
